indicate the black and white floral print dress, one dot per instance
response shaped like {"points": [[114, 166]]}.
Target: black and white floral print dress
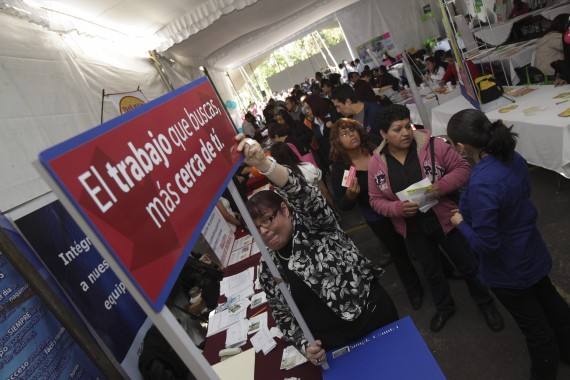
{"points": [[323, 257]]}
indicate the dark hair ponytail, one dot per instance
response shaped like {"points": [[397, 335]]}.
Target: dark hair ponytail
{"points": [[473, 128], [284, 155]]}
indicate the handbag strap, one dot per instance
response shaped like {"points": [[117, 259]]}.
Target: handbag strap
{"points": [[432, 155]]}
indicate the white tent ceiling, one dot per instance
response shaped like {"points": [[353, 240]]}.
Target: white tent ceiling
{"points": [[221, 34], [57, 56]]}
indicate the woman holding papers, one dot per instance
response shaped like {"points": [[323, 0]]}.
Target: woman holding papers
{"points": [[498, 220], [404, 159], [334, 286], [351, 148]]}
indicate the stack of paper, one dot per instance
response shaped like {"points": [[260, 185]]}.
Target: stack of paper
{"points": [[262, 341], [257, 323], [237, 306], [258, 299], [222, 320], [236, 335], [237, 288], [242, 242], [237, 283]]}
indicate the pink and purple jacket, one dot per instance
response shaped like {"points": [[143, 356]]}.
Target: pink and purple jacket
{"points": [[452, 172]]}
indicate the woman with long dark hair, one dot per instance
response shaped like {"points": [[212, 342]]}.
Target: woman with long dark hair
{"points": [[498, 220], [323, 119], [405, 158], [297, 129], [284, 155]]}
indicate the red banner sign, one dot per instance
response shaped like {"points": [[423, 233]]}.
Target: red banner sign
{"points": [[147, 180]]}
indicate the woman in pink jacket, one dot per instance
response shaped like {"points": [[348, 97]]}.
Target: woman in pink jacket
{"points": [[403, 159]]}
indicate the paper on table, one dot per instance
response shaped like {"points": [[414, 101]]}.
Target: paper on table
{"points": [[416, 193], [236, 281], [222, 320], [237, 367], [262, 341], [236, 335], [240, 254], [292, 358], [258, 322], [275, 332], [258, 299], [245, 292], [563, 95], [242, 241], [532, 110], [237, 306]]}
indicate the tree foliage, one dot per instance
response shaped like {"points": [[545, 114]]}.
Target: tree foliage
{"points": [[289, 55]]}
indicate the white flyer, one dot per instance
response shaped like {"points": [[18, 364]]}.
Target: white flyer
{"points": [[417, 193]]}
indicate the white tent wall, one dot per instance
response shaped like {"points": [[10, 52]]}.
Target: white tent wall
{"points": [[102, 67], [372, 18], [50, 91], [285, 79], [225, 91], [177, 74]]}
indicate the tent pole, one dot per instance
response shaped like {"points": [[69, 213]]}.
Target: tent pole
{"points": [[158, 66], [327, 48], [247, 84], [205, 70], [345, 40], [276, 62], [308, 56], [256, 80], [102, 103], [320, 50], [236, 92], [256, 90]]}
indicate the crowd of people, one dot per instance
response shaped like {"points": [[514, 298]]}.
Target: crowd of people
{"points": [[482, 225], [489, 235]]}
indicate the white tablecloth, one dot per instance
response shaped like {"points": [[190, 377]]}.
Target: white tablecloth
{"points": [[430, 103], [544, 138], [512, 56]]}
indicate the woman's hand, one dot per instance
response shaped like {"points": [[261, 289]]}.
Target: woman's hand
{"points": [[254, 154], [410, 209], [433, 191], [316, 354], [353, 189], [457, 218], [559, 82]]}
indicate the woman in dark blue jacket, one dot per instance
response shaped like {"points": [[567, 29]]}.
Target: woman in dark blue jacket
{"points": [[498, 220]]}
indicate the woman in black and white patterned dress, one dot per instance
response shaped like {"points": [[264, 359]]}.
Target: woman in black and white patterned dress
{"points": [[335, 287]]}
